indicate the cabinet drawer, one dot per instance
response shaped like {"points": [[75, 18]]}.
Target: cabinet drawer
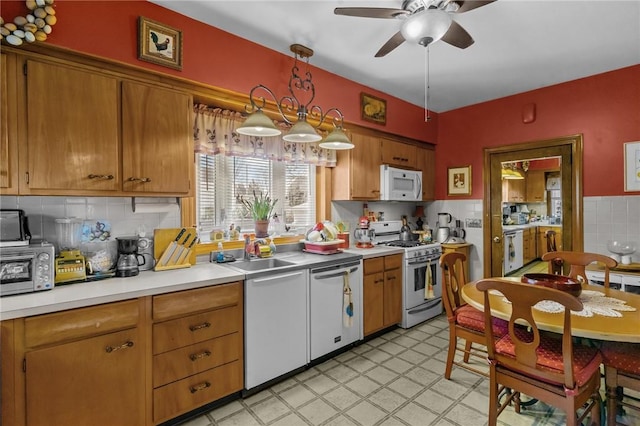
{"points": [[176, 398], [196, 328], [373, 266], [187, 302], [393, 261], [80, 323], [180, 363]]}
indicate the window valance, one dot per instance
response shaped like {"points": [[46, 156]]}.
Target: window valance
{"points": [[214, 132]]}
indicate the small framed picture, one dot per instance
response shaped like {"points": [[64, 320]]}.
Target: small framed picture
{"points": [[631, 166], [159, 43], [459, 180], [373, 109]]}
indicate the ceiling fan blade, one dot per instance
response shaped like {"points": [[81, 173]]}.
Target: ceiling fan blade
{"points": [[391, 44], [371, 12], [457, 36], [467, 5]]}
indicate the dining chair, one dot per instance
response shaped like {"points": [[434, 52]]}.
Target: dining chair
{"points": [[465, 321], [621, 370], [556, 266], [578, 261], [546, 366]]}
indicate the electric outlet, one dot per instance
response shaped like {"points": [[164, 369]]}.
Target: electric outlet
{"points": [[473, 223]]}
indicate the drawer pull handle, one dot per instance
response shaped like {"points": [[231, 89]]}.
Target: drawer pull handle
{"points": [[195, 357], [199, 387], [125, 345], [104, 177], [200, 326], [143, 180], [379, 281], [392, 277]]}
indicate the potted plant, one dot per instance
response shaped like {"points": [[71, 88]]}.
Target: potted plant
{"points": [[261, 209]]}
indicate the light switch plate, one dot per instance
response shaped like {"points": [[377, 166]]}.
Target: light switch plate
{"points": [[473, 223]]}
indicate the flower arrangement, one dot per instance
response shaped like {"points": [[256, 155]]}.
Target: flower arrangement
{"points": [[261, 207]]}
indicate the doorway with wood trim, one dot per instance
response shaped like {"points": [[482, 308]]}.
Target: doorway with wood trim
{"points": [[569, 149]]}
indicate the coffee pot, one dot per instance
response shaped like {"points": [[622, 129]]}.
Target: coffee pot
{"points": [[129, 259]]}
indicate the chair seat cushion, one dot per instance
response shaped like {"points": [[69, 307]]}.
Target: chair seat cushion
{"points": [[622, 356], [470, 317], [586, 360]]}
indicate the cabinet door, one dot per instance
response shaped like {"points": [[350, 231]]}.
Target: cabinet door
{"points": [[373, 299], [8, 141], [72, 129], [157, 153], [426, 162], [398, 154], [535, 186], [392, 297], [515, 190], [96, 381]]}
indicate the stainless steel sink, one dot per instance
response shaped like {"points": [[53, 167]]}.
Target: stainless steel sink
{"points": [[261, 264]]}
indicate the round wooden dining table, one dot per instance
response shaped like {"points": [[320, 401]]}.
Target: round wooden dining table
{"points": [[625, 328]]}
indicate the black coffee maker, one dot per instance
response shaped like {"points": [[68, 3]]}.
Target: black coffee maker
{"points": [[128, 258]]}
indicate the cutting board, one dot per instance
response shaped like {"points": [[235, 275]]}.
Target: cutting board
{"points": [[162, 237]]}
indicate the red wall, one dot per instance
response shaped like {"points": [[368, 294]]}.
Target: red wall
{"points": [[212, 56], [604, 108]]}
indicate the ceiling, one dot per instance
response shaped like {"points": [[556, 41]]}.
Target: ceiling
{"points": [[519, 45]]}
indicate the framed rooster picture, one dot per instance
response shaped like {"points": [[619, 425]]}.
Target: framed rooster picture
{"points": [[159, 43]]}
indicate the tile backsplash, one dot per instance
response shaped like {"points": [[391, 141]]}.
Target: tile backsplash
{"points": [[118, 211]]}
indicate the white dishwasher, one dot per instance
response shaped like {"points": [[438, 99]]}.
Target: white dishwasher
{"points": [[335, 291], [276, 331]]}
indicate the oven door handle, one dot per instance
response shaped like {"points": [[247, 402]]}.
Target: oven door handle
{"points": [[425, 308], [423, 261]]}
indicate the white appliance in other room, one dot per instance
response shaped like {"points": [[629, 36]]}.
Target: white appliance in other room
{"points": [[421, 267], [335, 307], [399, 184], [513, 256], [275, 315]]}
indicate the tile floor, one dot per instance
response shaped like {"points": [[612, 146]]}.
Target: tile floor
{"points": [[393, 380]]}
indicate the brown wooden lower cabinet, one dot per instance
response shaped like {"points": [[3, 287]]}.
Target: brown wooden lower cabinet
{"points": [[136, 362], [382, 293]]}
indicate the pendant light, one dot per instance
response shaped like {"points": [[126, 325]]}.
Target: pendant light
{"points": [[258, 124]]}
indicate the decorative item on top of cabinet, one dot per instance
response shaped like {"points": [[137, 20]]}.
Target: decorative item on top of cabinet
{"points": [[156, 149], [426, 163], [8, 124], [398, 153], [357, 172], [197, 348], [382, 295], [81, 366]]}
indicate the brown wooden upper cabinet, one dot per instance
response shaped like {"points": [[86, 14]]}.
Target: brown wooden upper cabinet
{"points": [[535, 186], [8, 141], [426, 163], [84, 131], [398, 154], [357, 173]]}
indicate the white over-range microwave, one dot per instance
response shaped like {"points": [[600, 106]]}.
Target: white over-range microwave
{"points": [[399, 184]]}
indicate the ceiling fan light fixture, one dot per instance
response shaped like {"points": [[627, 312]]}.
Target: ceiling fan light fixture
{"points": [[302, 132], [426, 27], [258, 124], [337, 139]]}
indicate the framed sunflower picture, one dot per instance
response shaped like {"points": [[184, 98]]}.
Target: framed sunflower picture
{"points": [[373, 108], [159, 43]]}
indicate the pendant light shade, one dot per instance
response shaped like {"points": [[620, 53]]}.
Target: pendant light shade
{"points": [[426, 27], [303, 132], [337, 140], [258, 124]]}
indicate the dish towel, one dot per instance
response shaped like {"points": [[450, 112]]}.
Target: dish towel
{"points": [[512, 249], [428, 282], [347, 302]]}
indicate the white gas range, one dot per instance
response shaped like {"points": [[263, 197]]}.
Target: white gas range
{"points": [[421, 268]]}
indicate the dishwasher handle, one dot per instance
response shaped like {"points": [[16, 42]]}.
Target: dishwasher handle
{"points": [[336, 274], [270, 277]]}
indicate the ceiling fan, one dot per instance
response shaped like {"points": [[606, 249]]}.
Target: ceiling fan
{"points": [[423, 21]]}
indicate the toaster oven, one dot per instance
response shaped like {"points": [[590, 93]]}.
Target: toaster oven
{"points": [[26, 269]]}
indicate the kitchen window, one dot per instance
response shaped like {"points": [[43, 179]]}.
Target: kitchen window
{"points": [[222, 179]]}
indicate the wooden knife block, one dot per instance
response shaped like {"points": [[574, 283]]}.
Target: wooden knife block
{"points": [[163, 237]]}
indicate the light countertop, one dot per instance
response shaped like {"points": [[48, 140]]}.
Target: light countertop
{"points": [[530, 225], [376, 251]]}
